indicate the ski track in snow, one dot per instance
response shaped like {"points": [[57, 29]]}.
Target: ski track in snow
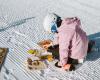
{"points": [[21, 28]]}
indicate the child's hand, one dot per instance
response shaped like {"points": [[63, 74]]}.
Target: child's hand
{"points": [[46, 46], [68, 67]]}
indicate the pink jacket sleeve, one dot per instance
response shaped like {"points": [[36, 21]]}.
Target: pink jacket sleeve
{"points": [[64, 43]]}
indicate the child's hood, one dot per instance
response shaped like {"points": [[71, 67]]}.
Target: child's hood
{"points": [[70, 23]]}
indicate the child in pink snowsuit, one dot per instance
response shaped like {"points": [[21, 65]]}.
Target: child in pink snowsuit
{"points": [[72, 40]]}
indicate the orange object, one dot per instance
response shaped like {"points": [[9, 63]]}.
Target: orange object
{"points": [[45, 43], [67, 66]]}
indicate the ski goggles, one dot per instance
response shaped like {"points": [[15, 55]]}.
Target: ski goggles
{"points": [[54, 27]]}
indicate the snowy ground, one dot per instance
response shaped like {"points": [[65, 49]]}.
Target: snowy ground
{"points": [[23, 29]]}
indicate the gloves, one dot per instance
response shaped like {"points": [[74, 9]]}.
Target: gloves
{"points": [[69, 67], [54, 50]]}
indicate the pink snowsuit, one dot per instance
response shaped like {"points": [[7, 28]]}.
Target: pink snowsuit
{"points": [[72, 40]]}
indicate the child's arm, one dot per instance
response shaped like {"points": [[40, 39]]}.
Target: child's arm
{"points": [[64, 43]]}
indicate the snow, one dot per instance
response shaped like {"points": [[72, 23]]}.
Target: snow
{"points": [[21, 28]]}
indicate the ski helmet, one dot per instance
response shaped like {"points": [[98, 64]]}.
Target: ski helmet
{"points": [[49, 23]]}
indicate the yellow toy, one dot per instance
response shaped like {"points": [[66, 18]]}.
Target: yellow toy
{"points": [[48, 57], [35, 52]]}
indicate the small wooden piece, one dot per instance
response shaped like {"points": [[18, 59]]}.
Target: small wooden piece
{"points": [[3, 53]]}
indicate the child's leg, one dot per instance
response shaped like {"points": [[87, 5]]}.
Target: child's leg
{"points": [[72, 61], [76, 63]]}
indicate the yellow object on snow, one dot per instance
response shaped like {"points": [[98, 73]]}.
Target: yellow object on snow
{"points": [[33, 51], [48, 57]]}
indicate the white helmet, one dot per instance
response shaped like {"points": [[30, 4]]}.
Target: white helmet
{"points": [[50, 22]]}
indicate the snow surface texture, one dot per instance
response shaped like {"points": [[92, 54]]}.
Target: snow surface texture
{"points": [[21, 28]]}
